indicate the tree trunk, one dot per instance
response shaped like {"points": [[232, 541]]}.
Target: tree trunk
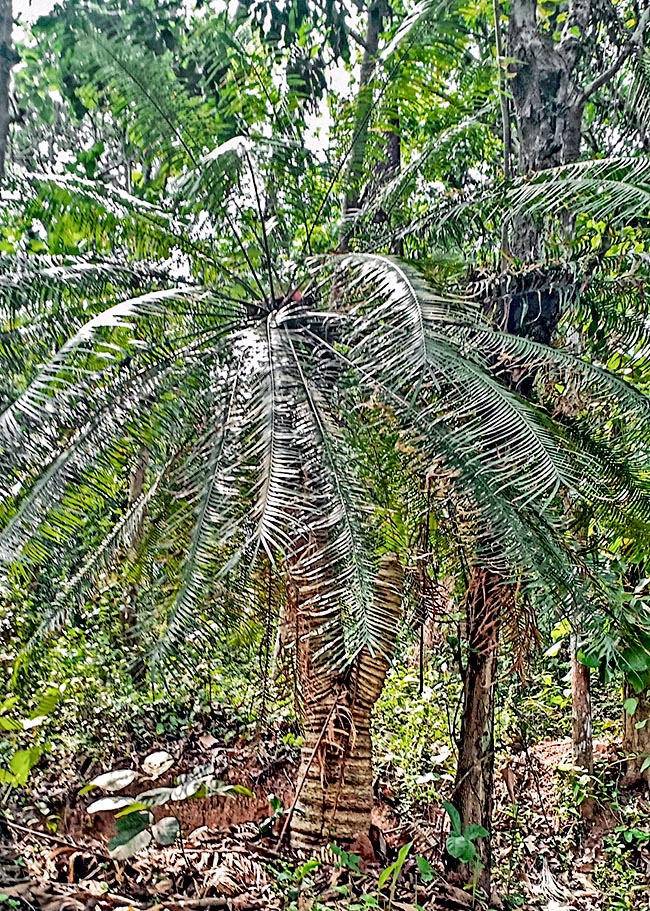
{"points": [[583, 744], [582, 727], [7, 60], [548, 115], [636, 741], [335, 800], [548, 102], [357, 152], [473, 789], [334, 788]]}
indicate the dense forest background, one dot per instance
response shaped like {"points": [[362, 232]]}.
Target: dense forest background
{"points": [[325, 455]]}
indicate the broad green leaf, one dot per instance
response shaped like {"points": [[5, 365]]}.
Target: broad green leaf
{"points": [[156, 797], [22, 762], [474, 831], [128, 826], [120, 850], [106, 804], [589, 659], [461, 848], [560, 630], [135, 807], [224, 789], [166, 830], [189, 788], [630, 705], [638, 681], [112, 781], [635, 658], [454, 816], [427, 872]]}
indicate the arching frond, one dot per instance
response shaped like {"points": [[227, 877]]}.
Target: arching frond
{"points": [[612, 189]]}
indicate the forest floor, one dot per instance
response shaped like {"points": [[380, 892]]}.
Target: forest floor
{"points": [[53, 855]]}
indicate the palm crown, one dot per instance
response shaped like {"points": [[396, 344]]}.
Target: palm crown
{"points": [[245, 387], [216, 335]]}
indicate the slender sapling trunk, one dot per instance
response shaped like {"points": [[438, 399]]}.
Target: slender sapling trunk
{"points": [[582, 726], [473, 789], [636, 736]]}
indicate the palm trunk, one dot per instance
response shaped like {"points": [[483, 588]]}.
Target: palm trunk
{"points": [[7, 61], [335, 800], [636, 740], [473, 790], [334, 789]]}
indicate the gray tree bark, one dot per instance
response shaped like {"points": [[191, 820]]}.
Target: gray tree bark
{"points": [[357, 152], [548, 100], [549, 93], [8, 59]]}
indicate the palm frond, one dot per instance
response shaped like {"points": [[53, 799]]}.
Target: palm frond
{"points": [[639, 94], [76, 589], [71, 361], [616, 190], [144, 90]]}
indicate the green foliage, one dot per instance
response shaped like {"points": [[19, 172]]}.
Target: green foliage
{"points": [[345, 859], [620, 872], [412, 736], [393, 872], [134, 821], [169, 298], [19, 730], [460, 842]]}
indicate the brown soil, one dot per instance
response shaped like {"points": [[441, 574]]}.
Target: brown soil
{"points": [[223, 863]]}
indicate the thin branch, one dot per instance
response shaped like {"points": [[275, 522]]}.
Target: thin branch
{"points": [[634, 42], [360, 40]]}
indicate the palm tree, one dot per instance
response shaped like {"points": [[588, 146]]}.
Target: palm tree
{"points": [[245, 388], [214, 332]]}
